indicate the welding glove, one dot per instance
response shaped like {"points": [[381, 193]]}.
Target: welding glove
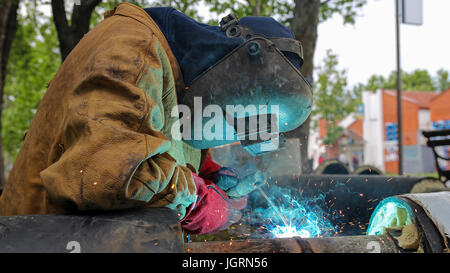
{"points": [[228, 179], [247, 184], [213, 210]]}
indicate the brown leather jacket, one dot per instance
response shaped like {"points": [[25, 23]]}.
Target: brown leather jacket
{"points": [[101, 136]]}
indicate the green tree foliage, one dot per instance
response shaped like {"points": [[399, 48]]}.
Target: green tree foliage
{"points": [[442, 82], [33, 61], [188, 7], [283, 10], [376, 82], [418, 80], [348, 9], [333, 100], [97, 14]]}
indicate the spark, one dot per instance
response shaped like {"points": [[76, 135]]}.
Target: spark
{"points": [[273, 206], [295, 218]]}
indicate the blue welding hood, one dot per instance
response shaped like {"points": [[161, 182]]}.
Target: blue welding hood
{"points": [[198, 46], [251, 62]]}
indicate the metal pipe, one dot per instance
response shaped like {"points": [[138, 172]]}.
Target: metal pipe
{"points": [[426, 212], [348, 244], [138, 230]]}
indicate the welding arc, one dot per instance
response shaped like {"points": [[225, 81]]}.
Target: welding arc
{"points": [[273, 206]]}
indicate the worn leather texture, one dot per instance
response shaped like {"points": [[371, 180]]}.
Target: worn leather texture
{"points": [[99, 138]]}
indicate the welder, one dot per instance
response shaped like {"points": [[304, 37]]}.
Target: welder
{"points": [[103, 138]]}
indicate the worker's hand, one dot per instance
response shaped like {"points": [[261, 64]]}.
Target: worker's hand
{"points": [[213, 210], [229, 180], [247, 184]]}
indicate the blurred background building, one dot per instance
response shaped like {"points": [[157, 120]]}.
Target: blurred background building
{"points": [[371, 135]]}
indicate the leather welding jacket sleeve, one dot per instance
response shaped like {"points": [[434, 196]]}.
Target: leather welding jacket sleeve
{"points": [[115, 153]]}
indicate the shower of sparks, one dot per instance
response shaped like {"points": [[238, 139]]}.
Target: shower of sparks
{"points": [[287, 217]]}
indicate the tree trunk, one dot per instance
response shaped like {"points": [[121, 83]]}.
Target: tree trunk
{"points": [[70, 35], [8, 27], [257, 9], [304, 25]]}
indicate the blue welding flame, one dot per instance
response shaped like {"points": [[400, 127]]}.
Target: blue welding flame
{"points": [[290, 231], [288, 217]]}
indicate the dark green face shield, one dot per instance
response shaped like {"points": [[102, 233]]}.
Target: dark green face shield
{"points": [[259, 92]]}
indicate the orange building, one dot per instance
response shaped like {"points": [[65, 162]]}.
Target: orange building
{"points": [[440, 110], [377, 131], [349, 144], [440, 120], [415, 118]]}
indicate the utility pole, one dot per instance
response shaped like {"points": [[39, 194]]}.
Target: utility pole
{"points": [[399, 90], [407, 12]]}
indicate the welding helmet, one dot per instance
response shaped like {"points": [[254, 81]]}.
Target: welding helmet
{"points": [[257, 88]]}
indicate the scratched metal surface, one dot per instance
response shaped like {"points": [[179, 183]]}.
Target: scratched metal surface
{"points": [[349, 244], [145, 230]]}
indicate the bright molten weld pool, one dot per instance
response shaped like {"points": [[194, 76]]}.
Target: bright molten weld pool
{"points": [[286, 217], [289, 231]]}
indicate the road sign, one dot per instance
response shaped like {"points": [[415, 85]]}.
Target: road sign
{"points": [[412, 12]]}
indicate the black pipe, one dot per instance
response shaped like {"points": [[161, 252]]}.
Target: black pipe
{"points": [[348, 200], [367, 170], [432, 240], [143, 230]]}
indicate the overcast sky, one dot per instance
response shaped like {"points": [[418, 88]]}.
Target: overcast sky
{"points": [[368, 47]]}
